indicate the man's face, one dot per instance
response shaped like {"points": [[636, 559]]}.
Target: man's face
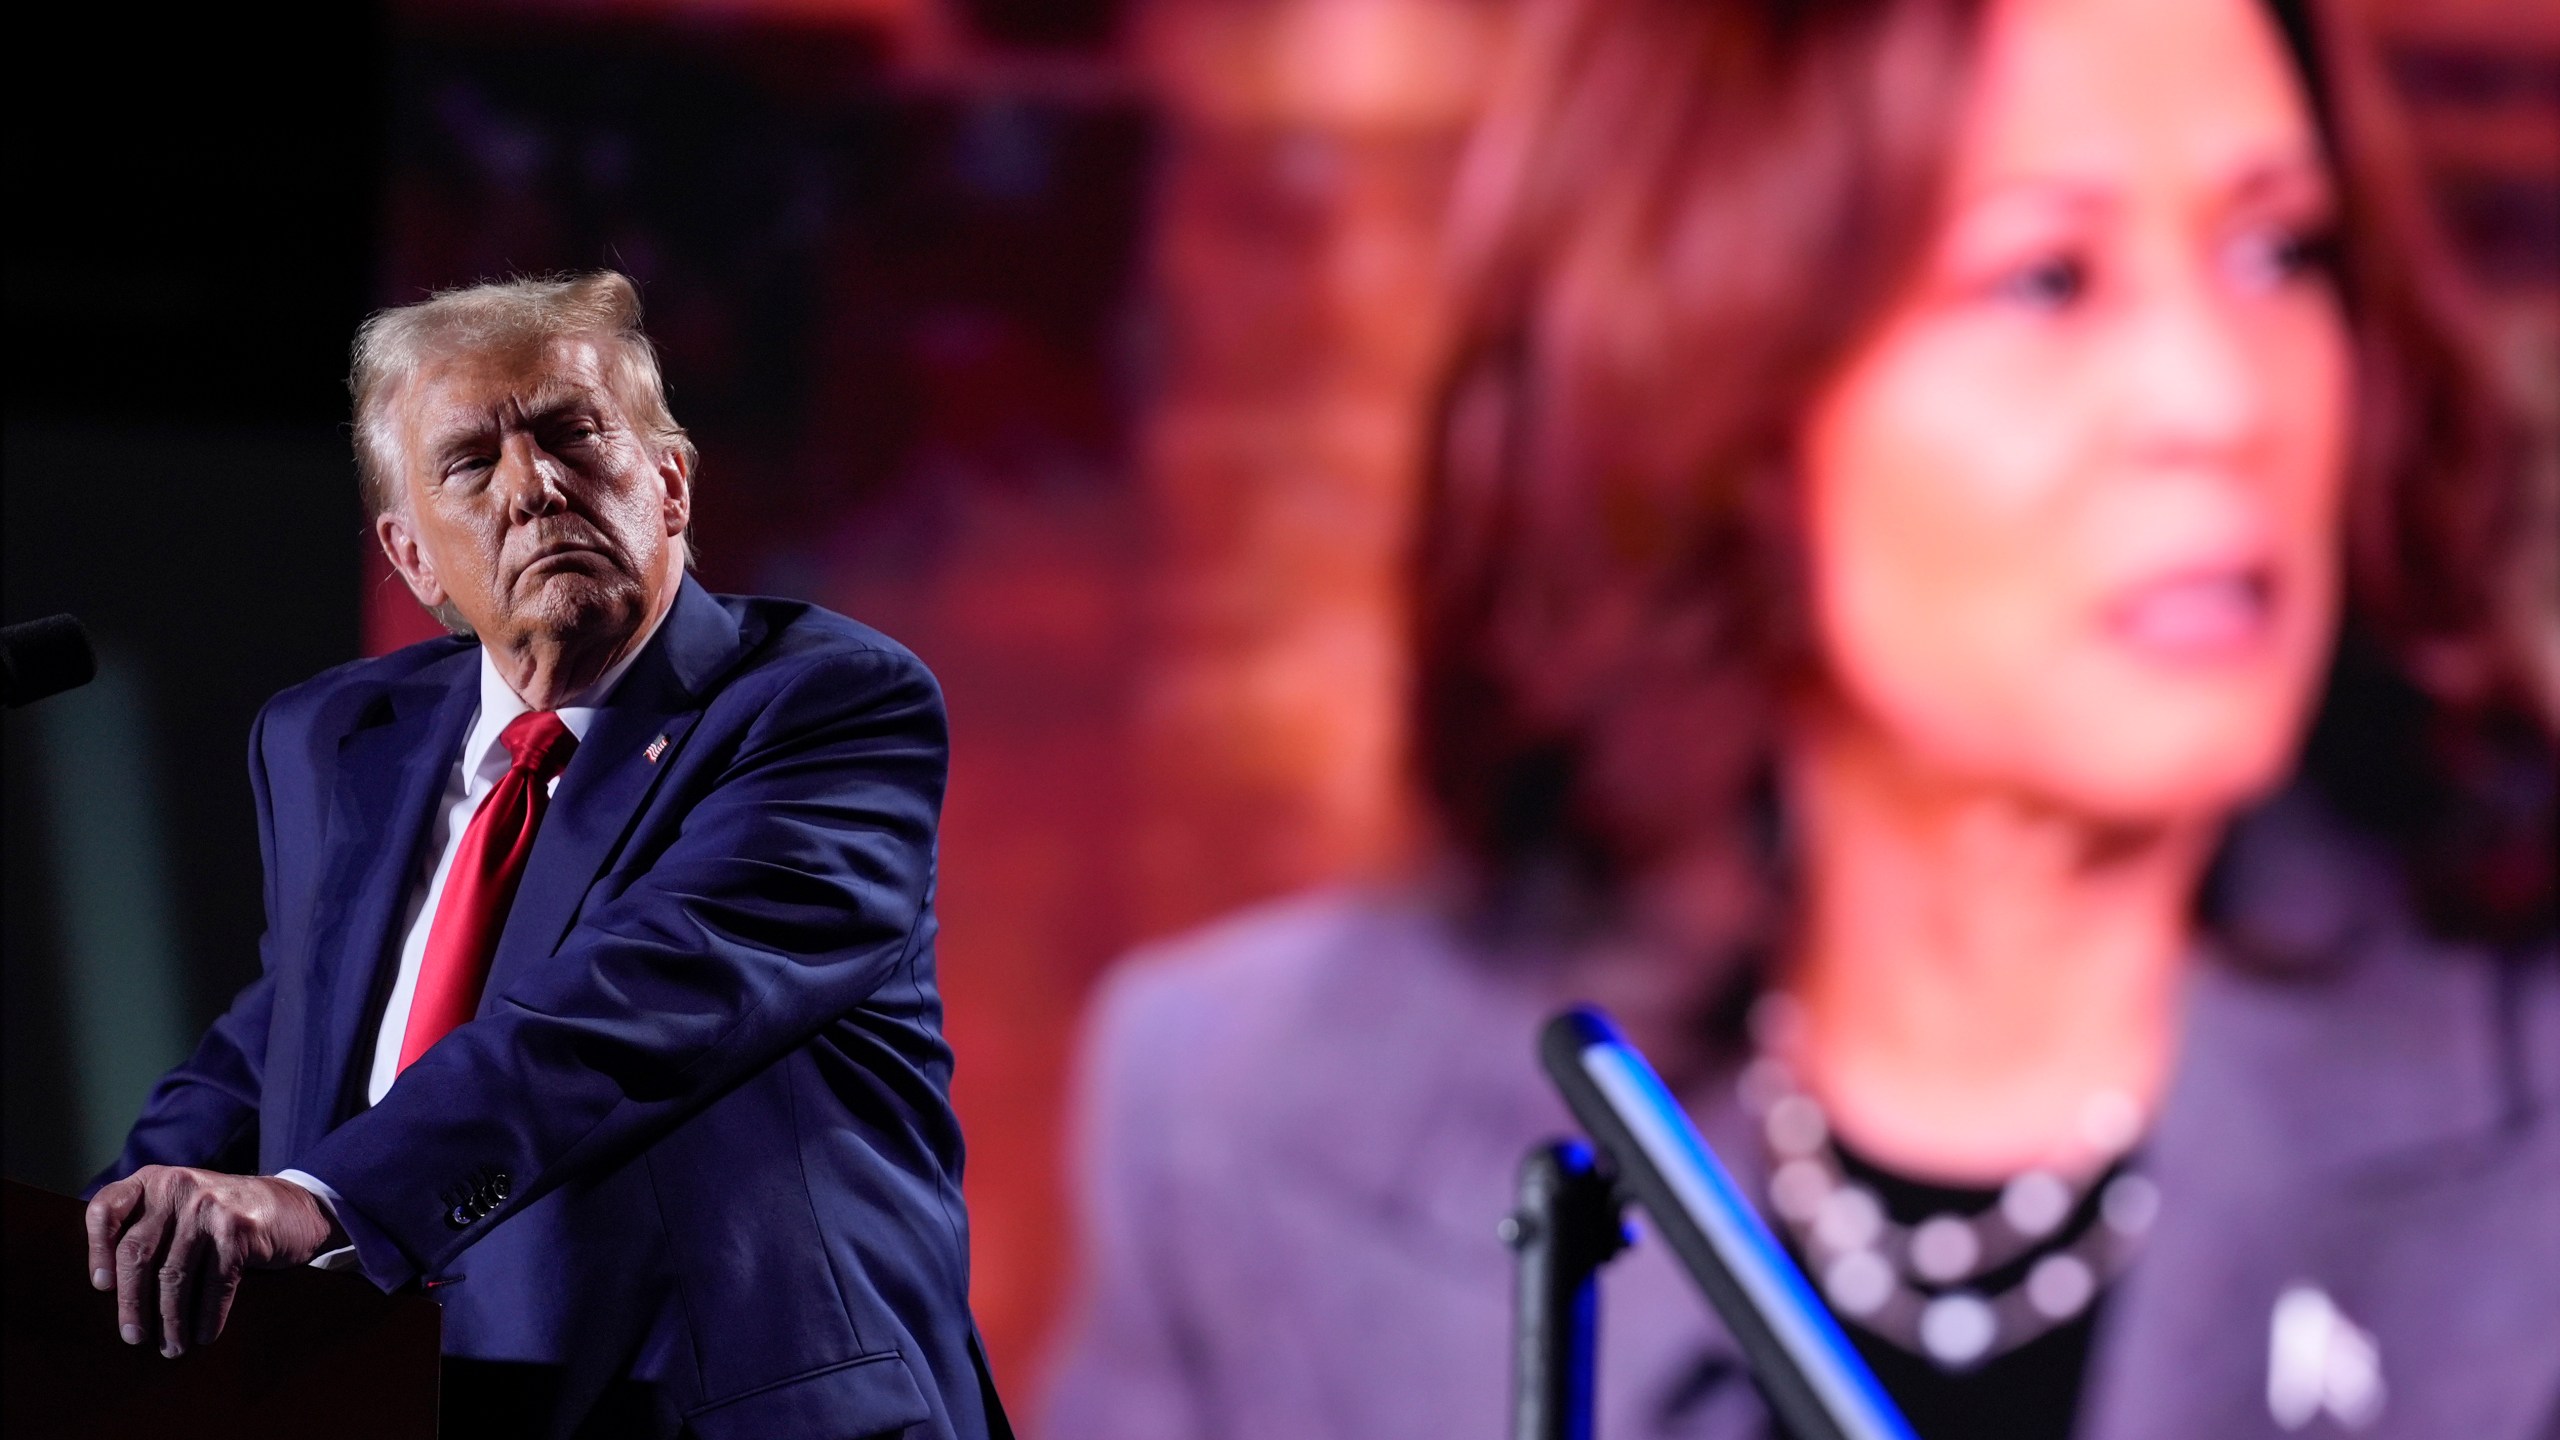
{"points": [[528, 499]]}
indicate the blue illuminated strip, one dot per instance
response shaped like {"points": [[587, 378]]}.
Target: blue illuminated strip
{"points": [[1777, 1289]]}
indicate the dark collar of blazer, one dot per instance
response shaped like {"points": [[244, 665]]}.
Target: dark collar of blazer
{"points": [[393, 763]]}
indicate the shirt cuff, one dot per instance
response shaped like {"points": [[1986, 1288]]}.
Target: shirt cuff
{"points": [[342, 1258]]}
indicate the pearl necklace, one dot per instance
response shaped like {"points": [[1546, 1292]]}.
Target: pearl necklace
{"points": [[1958, 1289]]}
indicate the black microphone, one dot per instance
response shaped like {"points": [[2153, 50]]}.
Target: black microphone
{"points": [[1806, 1367], [44, 657]]}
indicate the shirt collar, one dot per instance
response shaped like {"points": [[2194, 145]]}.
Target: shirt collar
{"points": [[499, 704]]}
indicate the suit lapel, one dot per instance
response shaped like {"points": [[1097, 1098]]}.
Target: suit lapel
{"points": [[2346, 1139], [617, 765], [389, 776]]}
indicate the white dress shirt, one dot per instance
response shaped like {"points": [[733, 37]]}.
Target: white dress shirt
{"points": [[481, 764]]}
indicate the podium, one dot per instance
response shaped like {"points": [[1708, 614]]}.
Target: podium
{"points": [[306, 1352]]}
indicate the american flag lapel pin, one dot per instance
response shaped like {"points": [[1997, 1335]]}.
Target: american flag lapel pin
{"points": [[656, 748]]}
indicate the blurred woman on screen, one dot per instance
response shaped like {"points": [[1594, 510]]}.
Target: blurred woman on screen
{"points": [[1964, 591]]}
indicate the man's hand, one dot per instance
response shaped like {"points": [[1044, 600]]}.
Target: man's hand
{"points": [[174, 1241]]}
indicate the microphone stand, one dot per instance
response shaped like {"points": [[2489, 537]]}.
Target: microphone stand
{"points": [[1568, 1223]]}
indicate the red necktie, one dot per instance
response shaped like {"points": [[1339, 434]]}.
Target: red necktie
{"points": [[482, 883]]}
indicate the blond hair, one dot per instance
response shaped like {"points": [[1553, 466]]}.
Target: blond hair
{"points": [[601, 305]]}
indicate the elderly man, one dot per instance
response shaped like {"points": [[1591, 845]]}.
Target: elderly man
{"points": [[598, 989]]}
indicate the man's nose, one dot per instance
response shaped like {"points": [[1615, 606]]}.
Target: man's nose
{"points": [[529, 478]]}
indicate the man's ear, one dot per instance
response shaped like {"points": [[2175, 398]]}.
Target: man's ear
{"points": [[675, 472], [400, 546]]}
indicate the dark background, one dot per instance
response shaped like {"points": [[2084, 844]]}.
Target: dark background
{"points": [[194, 209]]}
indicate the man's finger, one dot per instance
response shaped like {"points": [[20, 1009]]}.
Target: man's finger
{"points": [[138, 1264], [220, 1280], [181, 1269], [107, 1213]]}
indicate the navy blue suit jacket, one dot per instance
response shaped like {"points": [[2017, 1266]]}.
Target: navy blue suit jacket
{"points": [[693, 1164]]}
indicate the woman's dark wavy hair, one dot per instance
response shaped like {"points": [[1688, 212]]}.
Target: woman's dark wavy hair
{"points": [[1676, 218]]}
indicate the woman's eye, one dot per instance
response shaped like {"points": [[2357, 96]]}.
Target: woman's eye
{"points": [[2052, 283], [2275, 256]]}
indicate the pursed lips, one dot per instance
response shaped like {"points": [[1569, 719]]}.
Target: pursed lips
{"points": [[559, 552]]}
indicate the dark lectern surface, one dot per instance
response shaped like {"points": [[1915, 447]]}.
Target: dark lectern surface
{"points": [[307, 1353]]}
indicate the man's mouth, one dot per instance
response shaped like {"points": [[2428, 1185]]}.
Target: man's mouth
{"points": [[555, 557]]}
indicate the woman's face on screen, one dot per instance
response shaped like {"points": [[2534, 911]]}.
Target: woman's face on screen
{"points": [[2073, 506]]}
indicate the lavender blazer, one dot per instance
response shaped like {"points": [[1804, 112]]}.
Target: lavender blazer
{"points": [[1301, 1130]]}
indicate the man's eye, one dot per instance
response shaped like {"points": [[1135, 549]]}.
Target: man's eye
{"points": [[2052, 283]]}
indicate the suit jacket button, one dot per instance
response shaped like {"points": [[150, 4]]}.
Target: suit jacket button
{"points": [[460, 1217]]}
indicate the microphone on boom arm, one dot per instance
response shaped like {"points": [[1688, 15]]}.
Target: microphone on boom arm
{"points": [[44, 657], [1568, 1225]]}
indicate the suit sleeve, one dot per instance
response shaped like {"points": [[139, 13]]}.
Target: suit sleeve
{"points": [[204, 1113], [796, 885]]}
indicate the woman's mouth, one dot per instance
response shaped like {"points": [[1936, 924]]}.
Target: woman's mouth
{"points": [[2199, 614]]}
